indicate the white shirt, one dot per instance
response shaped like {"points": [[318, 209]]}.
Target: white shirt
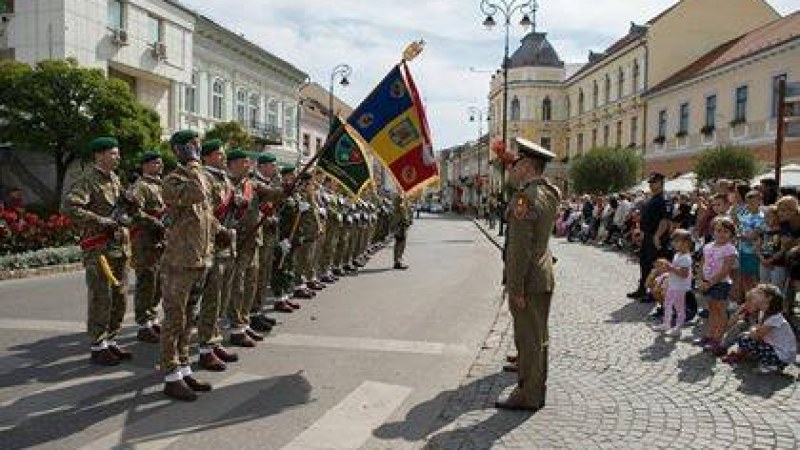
{"points": [[781, 337], [677, 282], [623, 209]]}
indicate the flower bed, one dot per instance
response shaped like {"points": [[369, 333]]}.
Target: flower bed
{"points": [[23, 231]]}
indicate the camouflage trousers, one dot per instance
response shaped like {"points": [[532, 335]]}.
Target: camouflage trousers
{"points": [[265, 255], [147, 294], [329, 247], [342, 244], [304, 261], [177, 285], [243, 289], [216, 292], [106, 303]]}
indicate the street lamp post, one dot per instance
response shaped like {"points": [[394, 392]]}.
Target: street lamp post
{"points": [[343, 71], [506, 9], [299, 118], [477, 114]]}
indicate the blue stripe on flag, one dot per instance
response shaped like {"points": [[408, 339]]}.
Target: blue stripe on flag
{"points": [[387, 101]]}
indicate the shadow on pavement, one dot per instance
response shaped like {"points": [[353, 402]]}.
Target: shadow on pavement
{"points": [[374, 271], [660, 349], [634, 311], [138, 398], [447, 407]]}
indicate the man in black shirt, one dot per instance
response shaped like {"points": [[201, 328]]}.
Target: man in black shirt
{"points": [[654, 223]]}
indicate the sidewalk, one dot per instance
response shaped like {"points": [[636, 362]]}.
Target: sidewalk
{"points": [[614, 383]]}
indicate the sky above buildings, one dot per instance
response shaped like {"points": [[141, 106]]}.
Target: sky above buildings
{"points": [[453, 72]]}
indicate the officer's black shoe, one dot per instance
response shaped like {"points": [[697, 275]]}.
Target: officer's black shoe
{"points": [[104, 357], [647, 298], [179, 390], [636, 295], [400, 266], [657, 313]]}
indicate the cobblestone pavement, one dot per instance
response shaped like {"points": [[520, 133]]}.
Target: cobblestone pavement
{"points": [[613, 382]]}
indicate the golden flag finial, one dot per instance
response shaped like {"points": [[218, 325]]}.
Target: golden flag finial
{"points": [[413, 49]]}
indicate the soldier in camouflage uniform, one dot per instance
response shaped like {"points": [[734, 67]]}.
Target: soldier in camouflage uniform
{"points": [[94, 203], [345, 225], [400, 221], [529, 272], [248, 196], [305, 239], [283, 277], [188, 253], [147, 238], [332, 231], [266, 173], [216, 287]]}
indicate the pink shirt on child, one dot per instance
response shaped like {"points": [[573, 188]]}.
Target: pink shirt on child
{"points": [[714, 257]]}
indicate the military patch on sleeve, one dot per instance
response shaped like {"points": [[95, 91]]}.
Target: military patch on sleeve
{"points": [[521, 207]]}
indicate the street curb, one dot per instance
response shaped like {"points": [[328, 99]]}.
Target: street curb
{"points": [[489, 235], [39, 271]]}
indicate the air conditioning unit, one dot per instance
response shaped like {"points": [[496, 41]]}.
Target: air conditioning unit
{"points": [[159, 51], [120, 37]]}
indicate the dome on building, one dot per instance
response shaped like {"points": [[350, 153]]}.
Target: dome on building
{"points": [[535, 51]]}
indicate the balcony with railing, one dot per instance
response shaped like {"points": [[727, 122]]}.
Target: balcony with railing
{"points": [[267, 132]]}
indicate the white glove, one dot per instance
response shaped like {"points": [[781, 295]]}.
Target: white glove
{"points": [[323, 212], [285, 246], [304, 206]]}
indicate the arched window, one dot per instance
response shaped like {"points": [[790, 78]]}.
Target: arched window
{"points": [[595, 95], [217, 98], [607, 89], [255, 111], [272, 113], [515, 109], [581, 102], [635, 78], [620, 83], [547, 109], [241, 106]]}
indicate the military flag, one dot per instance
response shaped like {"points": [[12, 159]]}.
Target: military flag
{"points": [[343, 158], [392, 121]]}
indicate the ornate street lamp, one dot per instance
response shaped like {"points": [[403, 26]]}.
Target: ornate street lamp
{"points": [[506, 9], [342, 71], [476, 114]]}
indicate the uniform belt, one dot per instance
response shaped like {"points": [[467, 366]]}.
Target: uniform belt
{"points": [[94, 242]]}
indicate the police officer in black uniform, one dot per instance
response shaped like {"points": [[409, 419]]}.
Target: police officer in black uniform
{"points": [[654, 223]]}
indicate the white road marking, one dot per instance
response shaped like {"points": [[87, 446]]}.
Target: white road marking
{"points": [[370, 344], [165, 419], [69, 326], [349, 424]]}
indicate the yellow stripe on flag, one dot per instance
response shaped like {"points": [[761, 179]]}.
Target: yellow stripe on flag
{"points": [[399, 137]]}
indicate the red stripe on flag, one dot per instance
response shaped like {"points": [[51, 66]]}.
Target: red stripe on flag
{"points": [[410, 169]]}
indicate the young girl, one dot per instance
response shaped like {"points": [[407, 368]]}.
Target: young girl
{"points": [[772, 343], [719, 259], [680, 281]]}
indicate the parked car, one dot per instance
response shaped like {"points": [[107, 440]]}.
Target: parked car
{"points": [[435, 208]]}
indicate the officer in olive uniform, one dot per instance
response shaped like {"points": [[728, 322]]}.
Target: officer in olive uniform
{"points": [[96, 203], [528, 272], [401, 221], [147, 239], [188, 253]]}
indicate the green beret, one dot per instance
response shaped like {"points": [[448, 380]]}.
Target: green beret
{"points": [[266, 158], [210, 146], [235, 154], [182, 137], [102, 144], [287, 168], [148, 156]]}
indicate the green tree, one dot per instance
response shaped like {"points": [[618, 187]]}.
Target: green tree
{"points": [[57, 107], [232, 134], [734, 163], [605, 170]]}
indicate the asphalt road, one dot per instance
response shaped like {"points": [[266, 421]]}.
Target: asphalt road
{"points": [[364, 365]]}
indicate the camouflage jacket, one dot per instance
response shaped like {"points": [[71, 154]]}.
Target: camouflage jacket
{"points": [[92, 200], [147, 232], [188, 194]]}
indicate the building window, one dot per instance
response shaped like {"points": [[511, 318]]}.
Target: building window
{"points": [[319, 144], [662, 123], [606, 133], [594, 138], [288, 121], [595, 95], [255, 110], [547, 109], [116, 11], [580, 143], [740, 113], [635, 78], [711, 111], [620, 83], [306, 144], [217, 98], [154, 30], [581, 102], [607, 89], [634, 131], [546, 142], [241, 106], [190, 95], [515, 109], [6, 6], [683, 123], [272, 113], [619, 134], [775, 82]]}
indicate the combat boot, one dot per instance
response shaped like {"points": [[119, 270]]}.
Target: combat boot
{"points": [[179, 390], [337, 271], [223, 354], [120, 352], [196, 385], [283, 306], [104, 357], [260, 323], [242, 340], [253, 335], [209, 361]]}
